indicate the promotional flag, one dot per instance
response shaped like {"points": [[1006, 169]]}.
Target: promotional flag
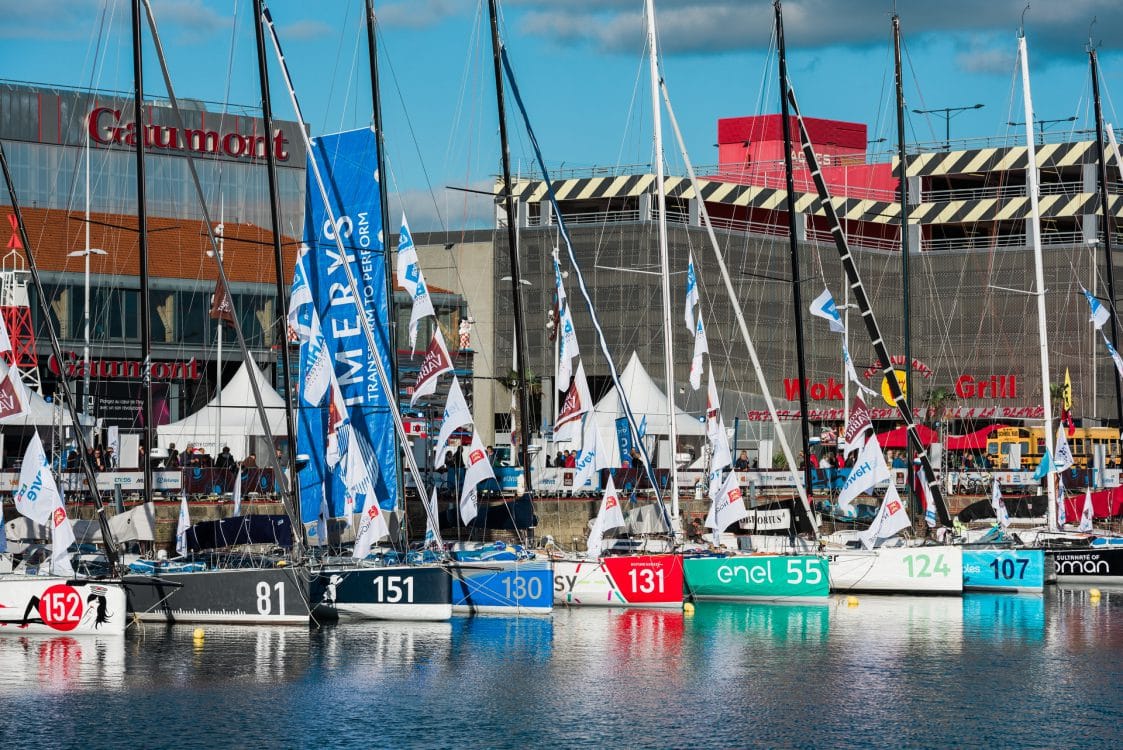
{"points": [[182, 525], [338, 424], [1114, 355], [1066, 392], [62, 536], [238, 492], [372, 526], [478, 470], [857, 426], [1064, 457], [891, 519], [1062, 514], [1086, 513], [1100, 314], [412, 280], [437, 362], [925, 492], [300, 300], [222, 304], [13, 393], [610, 516], [701, 347], [322, 521], [358, 481], [37, 495], [456, 415], [316, 366], [823, 307], [577, 402], [642, 429], [852, 374], [727, 506], [567, 347], [721, 456], [999, 506], [591, 458], [432, 533], [869, 469], [624, 438], [692, 297], [1043, 468]]}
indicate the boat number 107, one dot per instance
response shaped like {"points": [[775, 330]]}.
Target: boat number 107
{"points": [[922, 566]]}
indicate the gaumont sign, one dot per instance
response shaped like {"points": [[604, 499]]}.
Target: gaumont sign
{"points": [[106, 128], [126, 369]]}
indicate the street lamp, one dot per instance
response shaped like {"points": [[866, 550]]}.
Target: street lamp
{"points": [[947, 112], [86, 318], [1042, 123]]}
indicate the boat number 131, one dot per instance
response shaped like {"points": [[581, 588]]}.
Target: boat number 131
{"points": [[921, 566], [646, 580]]}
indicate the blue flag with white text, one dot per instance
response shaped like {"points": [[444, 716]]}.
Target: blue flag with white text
{"points": [[349, 166]]}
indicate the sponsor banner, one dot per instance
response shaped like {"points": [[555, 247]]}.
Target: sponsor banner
{"points": [[128, 481], [837, 414], [1003, 569], [779, 519]]}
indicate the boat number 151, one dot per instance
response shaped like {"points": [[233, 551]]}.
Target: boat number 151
{"points": [[921, 566], [392, 589]]}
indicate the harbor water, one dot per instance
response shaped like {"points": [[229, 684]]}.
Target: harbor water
{"points": [[984, 670]]}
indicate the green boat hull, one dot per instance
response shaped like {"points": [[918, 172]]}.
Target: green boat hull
{"points": [[757, 577]]}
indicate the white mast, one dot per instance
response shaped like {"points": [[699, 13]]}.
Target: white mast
{"points": [[664, 260], [1039, 273]]}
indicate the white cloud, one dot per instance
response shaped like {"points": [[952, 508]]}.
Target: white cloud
{"points": [[306, 29], [448, 209], [420, 13]]}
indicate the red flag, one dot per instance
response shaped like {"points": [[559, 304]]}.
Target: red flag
{"points": [[1067, 421], [437, 362], [222, 304], [858, 425]]}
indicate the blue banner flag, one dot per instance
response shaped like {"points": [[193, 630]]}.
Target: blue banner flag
{"points": [[624, 437], [348, 161]]}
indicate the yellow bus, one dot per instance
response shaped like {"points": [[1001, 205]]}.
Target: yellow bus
{"points": [[1083, 443]]}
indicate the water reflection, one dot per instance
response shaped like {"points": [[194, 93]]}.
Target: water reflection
{"points": [[56, 664], [1001, 617]]}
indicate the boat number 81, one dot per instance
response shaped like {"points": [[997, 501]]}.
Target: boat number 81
{"points": [[265, 598]]}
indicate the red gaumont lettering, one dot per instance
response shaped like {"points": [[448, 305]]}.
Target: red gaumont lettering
{"points": [[105, 127]]}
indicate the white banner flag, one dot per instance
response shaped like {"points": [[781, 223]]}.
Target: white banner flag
{"points": [[1086, 513], [823, 307], [432, 532], [412, 280], [577, 403], [14, 398], [610, 516], [1063, 453], [320, 369], [437, 362], [478, 470], [721, 458], [238, 491], [1100, 314], [372, 526], [926, 493], [567, 347], [869, 469], [727, 507], [456, 415], [1062, 514], [701, 347], [37, 495], [692, 297], [591, 458], [299, 322], [182, 525], [891, 519], [999, 506]]}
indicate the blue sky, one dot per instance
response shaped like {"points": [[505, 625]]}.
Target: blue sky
{"points": [[581, 68]]}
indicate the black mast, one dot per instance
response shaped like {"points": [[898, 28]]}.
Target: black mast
{"points": [[512, 246], [139, 134], [384, 201], [902, 176], [278, 258], [64, 380], [793, 242], [1105, 211], [866, 310]]}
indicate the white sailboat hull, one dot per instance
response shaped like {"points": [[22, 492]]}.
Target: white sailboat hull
{"points": [[935, 569], [400, 612], [54, 605]]}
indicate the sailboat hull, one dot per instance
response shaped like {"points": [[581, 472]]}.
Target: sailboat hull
{"points": [[934, 569], [53, 605], [399, 592], [502, 587], [620, 581], [235, 596], [1014, 570], [757, 578], [1101, 564]]}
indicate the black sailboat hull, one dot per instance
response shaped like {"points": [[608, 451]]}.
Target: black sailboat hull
{"points": [[1094, 564], [258, 596], [401, 592]]}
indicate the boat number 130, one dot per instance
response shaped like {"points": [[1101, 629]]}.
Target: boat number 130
{"points": [[921, 566], [646, 580]]}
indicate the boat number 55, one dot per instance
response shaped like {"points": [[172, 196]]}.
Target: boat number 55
{"points": [[392, 589], [809, 568], [921, 566]]}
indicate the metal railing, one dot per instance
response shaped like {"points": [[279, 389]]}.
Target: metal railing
{"points": [[1001, 192]]}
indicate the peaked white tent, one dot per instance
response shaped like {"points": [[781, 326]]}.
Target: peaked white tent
{"points": [[646, 400], [234, 423]]}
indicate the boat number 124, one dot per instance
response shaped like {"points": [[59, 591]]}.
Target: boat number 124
{"points": [[922, 566]]}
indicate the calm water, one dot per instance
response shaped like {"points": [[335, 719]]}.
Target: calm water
{"points": [[985, 670]]}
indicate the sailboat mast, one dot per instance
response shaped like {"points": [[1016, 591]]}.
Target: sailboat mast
{"points": [[793, 243], [664, 259], [902, 173], [384, 201], [1108, 229], [64, 381], [513, 248], [142, 254], [1038, 271], [278, 258]]}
